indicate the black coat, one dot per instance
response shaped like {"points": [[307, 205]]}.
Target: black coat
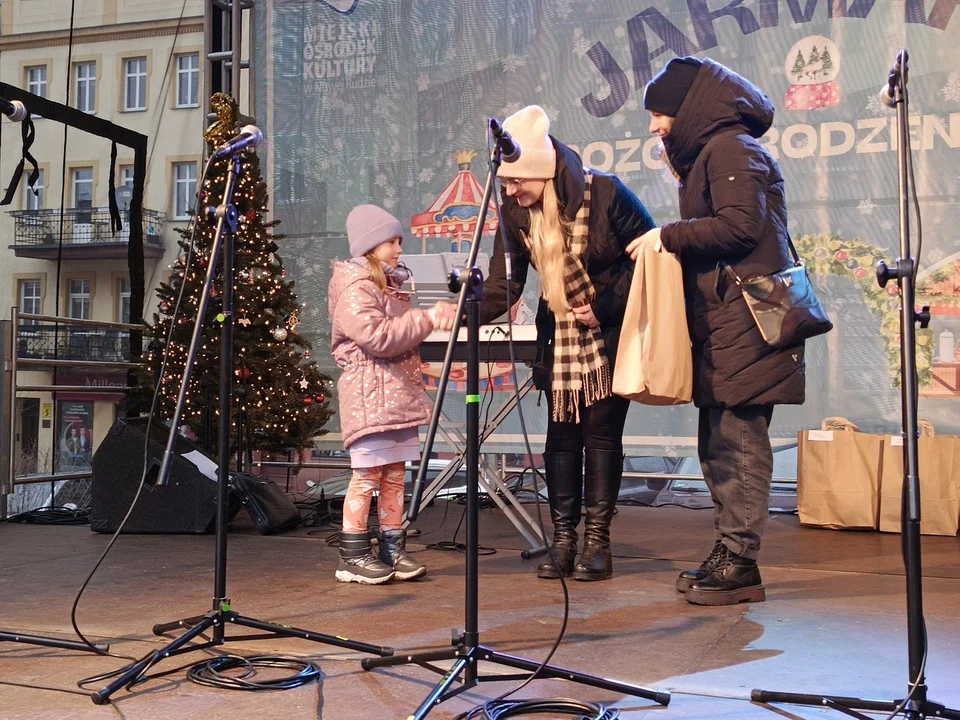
{"points": [[616, 218], [734, 214]]}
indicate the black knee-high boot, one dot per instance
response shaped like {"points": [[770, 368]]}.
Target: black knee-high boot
{"points": [[604, 470], [564, 475]]}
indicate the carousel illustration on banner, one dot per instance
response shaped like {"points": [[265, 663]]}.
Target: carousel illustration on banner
{"points": [[454, 215]]}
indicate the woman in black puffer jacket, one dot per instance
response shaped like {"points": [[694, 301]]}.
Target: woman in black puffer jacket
{"points": [[573, 227], [734, 220]]}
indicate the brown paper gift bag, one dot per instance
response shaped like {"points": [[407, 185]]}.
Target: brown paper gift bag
{"points": [[939, 460], [838, 476], [654, 361]]}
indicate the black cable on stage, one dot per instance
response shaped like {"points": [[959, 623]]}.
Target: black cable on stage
{"points": [[496, 709], [210, 672], [52, 515]]}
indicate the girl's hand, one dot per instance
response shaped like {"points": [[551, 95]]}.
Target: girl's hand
{"points": [[650, 239], [441, 315]]}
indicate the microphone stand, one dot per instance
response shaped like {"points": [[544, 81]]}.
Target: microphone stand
{"points": [[466, 649], [99, 648], [915, 705], [221, 614]]}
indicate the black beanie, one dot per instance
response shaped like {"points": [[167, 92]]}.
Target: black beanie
{"points": [[665, 93]]}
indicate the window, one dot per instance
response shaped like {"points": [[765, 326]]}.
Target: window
{"points": [[83, 187], [79, 299], [37, 80], [188, 80], [86, 88], [185, 189], [135, 92], [123, 300], [83, 202], [126, 176], [124, 199], [33, 201], [29, 296], [125, 187]]}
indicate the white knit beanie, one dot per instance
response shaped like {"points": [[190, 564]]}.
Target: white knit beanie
{"points": [[530, 128]]}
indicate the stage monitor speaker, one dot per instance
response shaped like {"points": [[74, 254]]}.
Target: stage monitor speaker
{"points": [[187, 504]]}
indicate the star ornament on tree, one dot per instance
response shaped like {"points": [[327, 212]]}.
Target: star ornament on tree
{"points": [[303, 383]]}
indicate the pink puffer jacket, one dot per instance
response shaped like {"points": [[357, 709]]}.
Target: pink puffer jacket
{"points": [[375, 340]]}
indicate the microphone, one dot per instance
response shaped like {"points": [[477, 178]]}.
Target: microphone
{"points": [[898, 75], [13, 109], [509, 148], [250, 136]]}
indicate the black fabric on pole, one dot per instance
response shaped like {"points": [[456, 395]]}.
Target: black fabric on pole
{"points": [[28, 133], [94, 125], [116, 224]]}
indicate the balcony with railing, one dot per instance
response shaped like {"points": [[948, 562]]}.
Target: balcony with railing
{"points": [[87, 234], [81, 361], [72, 342]]}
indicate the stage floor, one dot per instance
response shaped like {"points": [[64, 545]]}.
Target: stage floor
{"points": [[834, 621]]}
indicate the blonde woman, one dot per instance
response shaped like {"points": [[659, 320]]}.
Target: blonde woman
{"points": [[573, 227]]}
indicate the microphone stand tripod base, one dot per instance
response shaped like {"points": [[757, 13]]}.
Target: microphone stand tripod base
{"points": [[918, 706], [52, 642], [221, 614]]}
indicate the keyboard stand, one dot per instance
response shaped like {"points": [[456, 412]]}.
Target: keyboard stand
{"points": [[488, 478]]}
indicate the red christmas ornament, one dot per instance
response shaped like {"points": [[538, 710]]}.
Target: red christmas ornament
{"points": [[251, 215], [308, 400], [318, 398], [841, 255], [306, 354]]}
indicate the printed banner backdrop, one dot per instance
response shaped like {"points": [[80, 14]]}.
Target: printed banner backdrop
{"points": [[386, 101]]}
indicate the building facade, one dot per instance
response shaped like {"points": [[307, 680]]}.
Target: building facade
{"points": [[138, 64]]}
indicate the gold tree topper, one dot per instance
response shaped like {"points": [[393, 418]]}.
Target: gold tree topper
{"points": [[224, 128]]}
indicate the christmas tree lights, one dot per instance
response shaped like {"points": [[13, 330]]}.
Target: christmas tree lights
{"points": [[278, 392]]}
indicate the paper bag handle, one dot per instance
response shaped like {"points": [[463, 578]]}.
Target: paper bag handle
{"points": [[838, 423], [926, 428]]}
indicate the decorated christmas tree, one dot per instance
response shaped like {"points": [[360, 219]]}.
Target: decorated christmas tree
{"points": [[827, 61], [279, 394], [799, 64]]}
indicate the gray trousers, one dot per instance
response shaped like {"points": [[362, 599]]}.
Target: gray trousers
{"points": [[734, 449]]}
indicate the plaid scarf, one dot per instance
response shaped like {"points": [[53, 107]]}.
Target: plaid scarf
{"points": [[579, 356]]}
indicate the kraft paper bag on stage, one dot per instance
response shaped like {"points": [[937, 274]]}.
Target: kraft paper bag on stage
{"points": [[654, 361], [838, 476], [939, 460]]}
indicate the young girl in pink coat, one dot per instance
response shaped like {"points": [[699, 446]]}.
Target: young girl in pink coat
{"points": [[375, 340]]}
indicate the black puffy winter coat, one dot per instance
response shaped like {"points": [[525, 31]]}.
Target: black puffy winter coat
{"points": [[734, 214], [616, 218]]}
